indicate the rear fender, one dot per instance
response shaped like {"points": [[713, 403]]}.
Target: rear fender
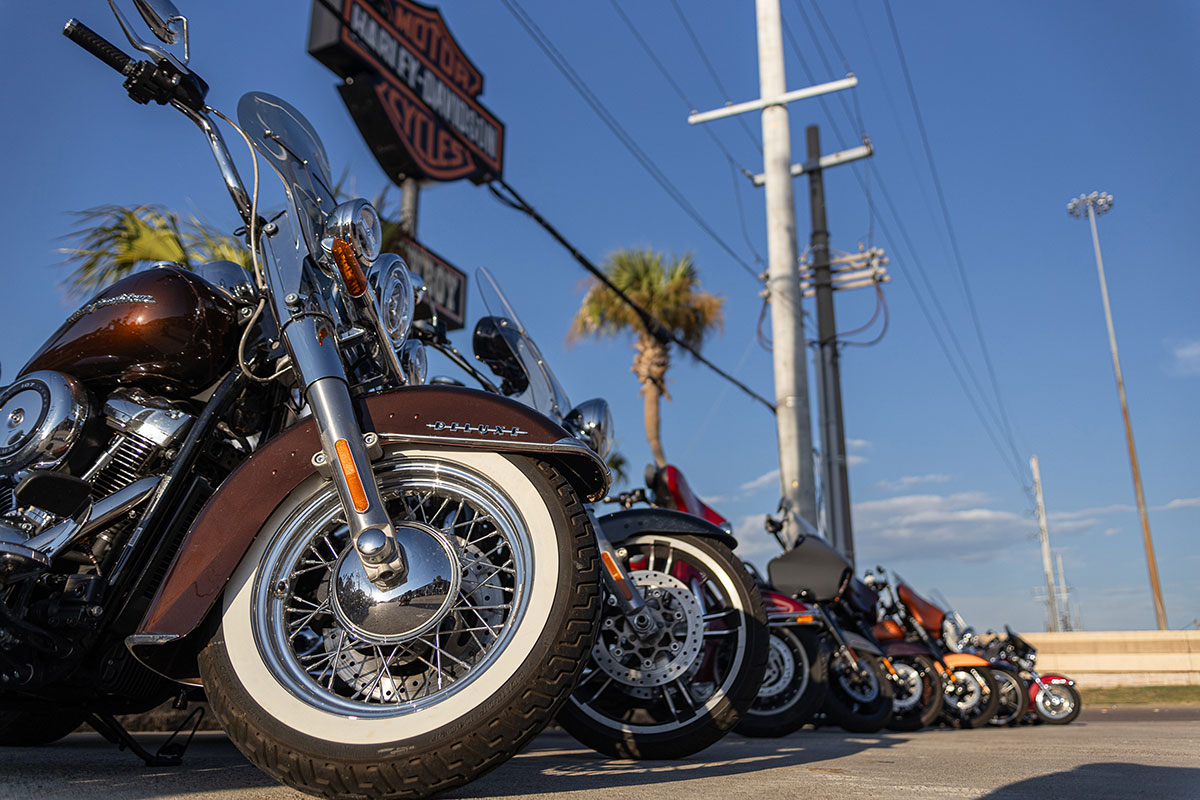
{"points": [[422, 416], [784, 611], [621, 525]]}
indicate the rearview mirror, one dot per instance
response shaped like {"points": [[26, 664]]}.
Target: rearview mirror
{"points": [[161, 16]]}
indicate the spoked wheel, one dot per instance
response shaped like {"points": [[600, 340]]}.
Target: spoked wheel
{"points": [[972, 698], [793, 686], [917, 694], [859, 699], [1014, 699], [676, 691], [339, 688], [34, 729], [1057, 704]]}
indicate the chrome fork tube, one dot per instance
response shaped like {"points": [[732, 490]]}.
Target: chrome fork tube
{"points": [[643, 619], [312, 345]]}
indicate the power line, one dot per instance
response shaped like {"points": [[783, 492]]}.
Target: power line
{"points": [[560, 62], [713, 73], [654, 326], [734, 165], [958, 260], [993, 417]]}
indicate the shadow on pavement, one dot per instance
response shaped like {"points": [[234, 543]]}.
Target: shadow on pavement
{"points": [[556, 763], [1107, 780]]}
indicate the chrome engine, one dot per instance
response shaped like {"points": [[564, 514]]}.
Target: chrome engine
{"points": [[48, 422]]}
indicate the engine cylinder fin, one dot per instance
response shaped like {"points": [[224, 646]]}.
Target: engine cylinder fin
{"points": [[127, 464]]}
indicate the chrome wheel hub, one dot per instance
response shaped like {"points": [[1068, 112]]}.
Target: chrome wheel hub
{"points": [[908, 688], [781, 668], [387, 616], [659, 657]]}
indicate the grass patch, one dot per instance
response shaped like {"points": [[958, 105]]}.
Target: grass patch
{"points": [[1141, 695]]}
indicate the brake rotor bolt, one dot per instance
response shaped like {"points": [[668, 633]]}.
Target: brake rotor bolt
{"points": [[647, 664], [678, 615], [618, 651], [674, 647]]}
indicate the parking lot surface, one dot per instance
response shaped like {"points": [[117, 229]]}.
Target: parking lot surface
{"points": [[1107, 753]]}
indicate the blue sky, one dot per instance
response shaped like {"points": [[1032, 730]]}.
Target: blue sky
{"points": [[1026, 105]]}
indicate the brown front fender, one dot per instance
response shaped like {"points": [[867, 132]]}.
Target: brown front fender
{"points": [[420, 415]]}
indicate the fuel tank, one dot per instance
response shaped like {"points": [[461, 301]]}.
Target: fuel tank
{"points": [[165, 330]]}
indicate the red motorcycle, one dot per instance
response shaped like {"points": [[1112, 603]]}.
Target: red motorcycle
{"points": [[1052, 698]]}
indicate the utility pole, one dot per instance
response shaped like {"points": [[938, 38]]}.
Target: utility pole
{"points": [[793, 419], [1093, 205], [792, 416], [410, 192], [1051, 598], [833, 432], [1064, 599]]}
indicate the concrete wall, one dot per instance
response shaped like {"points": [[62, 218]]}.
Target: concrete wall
{"points": [[1121, 658]]}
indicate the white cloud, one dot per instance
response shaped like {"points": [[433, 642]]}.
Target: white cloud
{"points": [[1183, 502], [1116, 508], [857, 444], [1185, 357], [1111, 531], [762, 481], [958, 527], [854, 460], [910, 481]]}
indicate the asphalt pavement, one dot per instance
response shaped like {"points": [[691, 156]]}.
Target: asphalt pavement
{"points": [[1115, 752]]}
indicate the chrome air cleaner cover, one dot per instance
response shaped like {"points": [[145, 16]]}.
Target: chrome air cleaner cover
{"points": [[41, 416]]}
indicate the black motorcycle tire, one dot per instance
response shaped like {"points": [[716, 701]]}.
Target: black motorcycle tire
{"points": [[1044, 712], [34, 729], [1014, 700], [640, 735], [928, 706], [978, 715], [858, 711], [308, 741], [804, 692]]}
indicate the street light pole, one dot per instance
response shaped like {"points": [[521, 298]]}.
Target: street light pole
{"points": [[1093, 205]]}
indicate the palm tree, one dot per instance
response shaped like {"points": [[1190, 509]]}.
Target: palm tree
{"points": [[670, 292], [111, 241]]}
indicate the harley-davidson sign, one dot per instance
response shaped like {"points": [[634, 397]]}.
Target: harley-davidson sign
{"points": [[411, 90]]}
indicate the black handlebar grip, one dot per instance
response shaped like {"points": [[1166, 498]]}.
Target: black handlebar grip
{"points": [[96, 44]]}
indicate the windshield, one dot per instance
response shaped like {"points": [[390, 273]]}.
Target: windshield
{"points": [[544, 392], [294, 150]]}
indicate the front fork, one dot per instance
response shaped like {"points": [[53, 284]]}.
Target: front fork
{"points": [[643, 619], [345, 451]]}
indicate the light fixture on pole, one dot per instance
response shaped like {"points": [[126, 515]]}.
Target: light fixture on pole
{"points": [[1093, 205]]}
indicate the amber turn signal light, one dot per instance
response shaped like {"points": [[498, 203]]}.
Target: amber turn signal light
{"points": [[349, 268]]}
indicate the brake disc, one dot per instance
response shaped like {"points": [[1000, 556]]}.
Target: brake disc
{"points": [[660, 657]]}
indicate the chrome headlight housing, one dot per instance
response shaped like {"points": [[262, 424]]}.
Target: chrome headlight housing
{"points": [[591, 421], [355, 222], [394, 301], [415, 363]]}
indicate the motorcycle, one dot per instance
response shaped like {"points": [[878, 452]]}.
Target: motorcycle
{"points": [[681, 642], [1013, 693], [239, 484], [920, 628], [1051, 697]]}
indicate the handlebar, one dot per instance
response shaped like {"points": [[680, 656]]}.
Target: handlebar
{"points": [[97, 45]]}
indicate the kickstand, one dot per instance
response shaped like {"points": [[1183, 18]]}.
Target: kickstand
{"points": [[170, 752]]}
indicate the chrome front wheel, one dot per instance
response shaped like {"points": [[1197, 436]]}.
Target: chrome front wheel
{"points": [[321, 678]]}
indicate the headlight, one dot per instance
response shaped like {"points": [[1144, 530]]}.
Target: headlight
{"points": [[393, 297], [355, 222], [591, 421], [414, 363]]}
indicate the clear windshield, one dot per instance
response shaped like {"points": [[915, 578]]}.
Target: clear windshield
{"points": [[293, 148], [544, 392]]}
